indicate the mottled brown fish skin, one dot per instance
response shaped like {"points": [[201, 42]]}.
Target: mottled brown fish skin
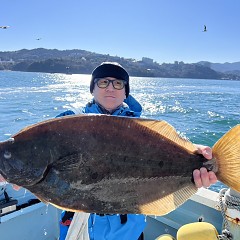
{"points": [[97, 163]]}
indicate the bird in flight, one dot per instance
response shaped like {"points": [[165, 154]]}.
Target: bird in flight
{"points": [[205, 28], [38, 39], [4, 27]]}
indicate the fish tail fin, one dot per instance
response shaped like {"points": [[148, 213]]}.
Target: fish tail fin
{"points": [[226, 151]]}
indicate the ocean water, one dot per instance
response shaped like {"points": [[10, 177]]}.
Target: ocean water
{"points": [[202, 110]]}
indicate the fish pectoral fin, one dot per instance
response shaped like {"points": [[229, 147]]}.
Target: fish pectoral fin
{"points": [[169, 133], [69, 162], [168, 203]]}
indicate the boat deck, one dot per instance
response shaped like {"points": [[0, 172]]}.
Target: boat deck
{"points": [[41, 221]]}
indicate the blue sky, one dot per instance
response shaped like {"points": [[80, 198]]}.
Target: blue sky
{"points": [[165, 30]]}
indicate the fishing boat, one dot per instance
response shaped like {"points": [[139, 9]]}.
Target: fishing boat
{"points": [[23, 216]]}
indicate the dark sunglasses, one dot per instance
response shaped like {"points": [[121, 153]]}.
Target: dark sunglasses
{"points": [[104, 82]]}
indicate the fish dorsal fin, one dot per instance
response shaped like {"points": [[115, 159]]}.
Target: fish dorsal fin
{"points": [[226, 152], [167, 131]]}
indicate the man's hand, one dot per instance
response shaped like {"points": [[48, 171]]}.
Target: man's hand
{"points": [[202, 177]]}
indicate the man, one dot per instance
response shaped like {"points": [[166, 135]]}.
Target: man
{"points": [[110, 89]]}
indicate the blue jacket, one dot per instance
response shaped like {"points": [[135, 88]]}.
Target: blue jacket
{"points": [[131, 107], [109, 227]]}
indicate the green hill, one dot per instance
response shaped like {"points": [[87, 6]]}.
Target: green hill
{"points": [[81, 61]]}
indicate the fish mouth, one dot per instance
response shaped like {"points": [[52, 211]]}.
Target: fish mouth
{"points": [[15, 171]]}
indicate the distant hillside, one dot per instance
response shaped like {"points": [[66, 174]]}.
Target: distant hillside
{"points": [[233, 68], [81, 61]]}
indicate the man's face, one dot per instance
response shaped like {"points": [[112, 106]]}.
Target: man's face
{"points": [[109, 97]]}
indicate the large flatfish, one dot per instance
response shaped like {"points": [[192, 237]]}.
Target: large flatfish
{"points": [[108, 164]]}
